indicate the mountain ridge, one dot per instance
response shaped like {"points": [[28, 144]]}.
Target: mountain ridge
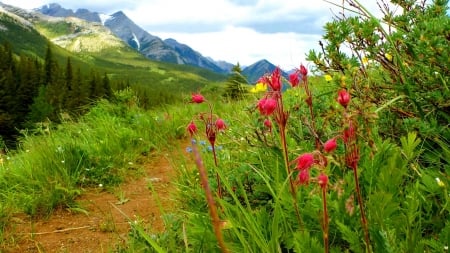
{"points": [[153, 47]]}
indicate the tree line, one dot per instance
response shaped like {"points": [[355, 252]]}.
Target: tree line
{"points": [[34, 90]]}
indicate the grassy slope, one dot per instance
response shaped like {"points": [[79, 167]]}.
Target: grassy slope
{"points": [[122, 63]]}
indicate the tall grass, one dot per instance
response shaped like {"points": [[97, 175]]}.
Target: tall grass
{"points": [[53, 166]]}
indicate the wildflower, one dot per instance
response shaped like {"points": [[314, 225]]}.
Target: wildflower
{"points": [[328, 78], [189, 149], [303, 70], [343, 98], [305, 161], [322, 180], [192, 128], [197, 98], [365, 61], [388, 56], [303, 177], [259, 87], [439, 182], [330, 145], [220, 124], [293, 79], [268, 124], [273, 80], [349, 133], [266, 106]]}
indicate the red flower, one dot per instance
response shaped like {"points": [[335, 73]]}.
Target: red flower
{"points": [[267, 106], [192, 128], [303, 177], [274, 80], [293, 79], [343, 98], [220, 124], [305, 161], [268, 124], [197, 98], [330, 145], [322, 180], [303, 70], [349, 133]]}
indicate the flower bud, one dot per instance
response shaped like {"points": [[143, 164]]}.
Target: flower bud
{"points": [[267, 106], [220, 124], [305, 161], [330, 145], [303, 177], [303, 70], [322, 180], [192, 128], [268, 124], [294, 79], [343, 98], [197, 98]]}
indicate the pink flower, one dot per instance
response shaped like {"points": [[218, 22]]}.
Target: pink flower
{"points": [[303, 177], [330, 145], [303, 70], [268, 124], [220, 124], [349, 133], [305, 161], [322, 180], [267, 106], [293, 79], [343, 98], [274, 80], [197, 98], [192, 128]]}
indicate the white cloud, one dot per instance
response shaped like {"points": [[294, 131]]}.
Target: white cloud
{"points": [[243, 45], [243, 31]]}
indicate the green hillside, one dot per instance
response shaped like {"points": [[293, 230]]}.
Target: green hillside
{"points": [[119, 62]]}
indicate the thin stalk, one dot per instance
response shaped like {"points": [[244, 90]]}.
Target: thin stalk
{"points": [[311, 112], [219, 186], [209, 198], [288, 171], [281, 118], [325, 220], [361, 209]]}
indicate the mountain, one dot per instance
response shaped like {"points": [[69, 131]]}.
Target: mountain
{"points": [[151, 46], [258, 69], [93, 46]]}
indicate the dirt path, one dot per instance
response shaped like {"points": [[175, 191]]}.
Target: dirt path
{"points": [[104, 226]]}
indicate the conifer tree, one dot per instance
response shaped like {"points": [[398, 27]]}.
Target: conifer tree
{"points": [[234, 86]]}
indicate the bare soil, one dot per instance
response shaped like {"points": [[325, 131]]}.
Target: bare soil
{"points": [[103, 226]]}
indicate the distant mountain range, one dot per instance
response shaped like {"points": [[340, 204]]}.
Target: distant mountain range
{"points": [[83, 31], [153, 47]]}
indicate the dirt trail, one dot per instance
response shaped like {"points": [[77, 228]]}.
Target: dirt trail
{"points": [[104, 227]]}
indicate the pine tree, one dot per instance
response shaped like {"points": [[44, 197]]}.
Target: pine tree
{"points": [[234, 86]]}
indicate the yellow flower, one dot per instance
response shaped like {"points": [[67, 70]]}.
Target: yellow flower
{"points": [[388, 56], [328, 78], [439, 182], [259, 87], [365, 60]]}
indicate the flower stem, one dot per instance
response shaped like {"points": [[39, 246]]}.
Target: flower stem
{"points": [[361, 208], [325, 220], [219, 186], [209, 198], [288, 171]]}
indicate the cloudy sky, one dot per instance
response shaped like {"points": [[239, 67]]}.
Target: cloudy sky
{"points": [[243, 31]]}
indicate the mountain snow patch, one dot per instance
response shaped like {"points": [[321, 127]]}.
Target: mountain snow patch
{"points": [[137, 42], [104, 17]]}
